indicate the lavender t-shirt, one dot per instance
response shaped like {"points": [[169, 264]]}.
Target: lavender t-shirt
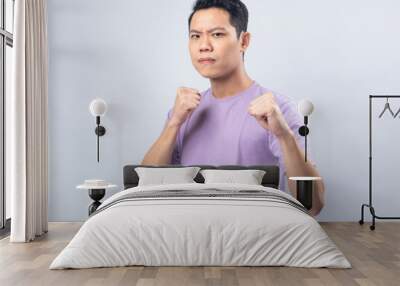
{"points": [[222, 132]]}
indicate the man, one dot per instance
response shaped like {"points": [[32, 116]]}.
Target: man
{"points": [[236, 121]]}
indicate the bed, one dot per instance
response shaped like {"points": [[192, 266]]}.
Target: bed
{"points": [[201, 224]]}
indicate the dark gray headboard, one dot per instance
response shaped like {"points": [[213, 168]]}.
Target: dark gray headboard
{"points": [[270, 179]]}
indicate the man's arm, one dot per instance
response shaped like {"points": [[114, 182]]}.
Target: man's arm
{"points": [[161, 151], [296, 166], [269, 116]]}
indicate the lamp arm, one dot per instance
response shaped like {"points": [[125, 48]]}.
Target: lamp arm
{"points": [[305, 148], [303, 131], [98, 141]]}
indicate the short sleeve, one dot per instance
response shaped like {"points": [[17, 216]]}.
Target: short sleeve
{"points": [[175, 157], [294, 120]]}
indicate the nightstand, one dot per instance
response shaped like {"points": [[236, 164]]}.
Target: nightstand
{"points": [[96, 192], [304, 189]]}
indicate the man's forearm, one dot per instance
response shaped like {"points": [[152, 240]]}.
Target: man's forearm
{"points": [[296, 166], [161, 151]]}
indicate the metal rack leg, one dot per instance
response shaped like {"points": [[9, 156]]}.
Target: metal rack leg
{"points": [[361, 221], [372, 210], [374, 216]]}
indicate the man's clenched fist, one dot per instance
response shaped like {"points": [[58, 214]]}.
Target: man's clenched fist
{"points": [[187, 100], [269, 115]]}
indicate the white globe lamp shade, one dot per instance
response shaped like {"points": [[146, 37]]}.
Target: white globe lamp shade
{"points": [[98, 107], [305, 107]]}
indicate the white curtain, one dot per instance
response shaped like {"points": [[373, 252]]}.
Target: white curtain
{"points": [[28, 122]]}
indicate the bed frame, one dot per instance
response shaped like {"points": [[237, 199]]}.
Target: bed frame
{"points": [[270, 179]]}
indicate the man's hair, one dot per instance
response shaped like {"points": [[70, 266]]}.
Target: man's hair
{"points": [[238, 14]]}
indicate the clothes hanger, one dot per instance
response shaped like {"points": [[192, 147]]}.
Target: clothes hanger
{"points": [[397, 113], [387, 107]]}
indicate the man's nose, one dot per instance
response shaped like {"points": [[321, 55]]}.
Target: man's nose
{"points": [[205, 45]]}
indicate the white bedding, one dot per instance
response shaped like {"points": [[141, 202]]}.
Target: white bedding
{"points": [[182, 231]]}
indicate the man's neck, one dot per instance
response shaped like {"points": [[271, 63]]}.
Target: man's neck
{"points": [[230, 85]]}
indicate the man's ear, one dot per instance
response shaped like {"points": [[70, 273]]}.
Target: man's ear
{"points": [[244, 41]]}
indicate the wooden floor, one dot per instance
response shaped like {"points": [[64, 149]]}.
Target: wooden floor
{"points": [[374, 255]]}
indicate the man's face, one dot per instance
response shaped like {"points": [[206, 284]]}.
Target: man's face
{"points": [[214, 47]]}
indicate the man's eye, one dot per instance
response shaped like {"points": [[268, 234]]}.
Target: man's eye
{"points": [[194, 36], [218, 35]]}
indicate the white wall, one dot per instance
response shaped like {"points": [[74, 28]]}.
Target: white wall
{"points": [[134, 55]]}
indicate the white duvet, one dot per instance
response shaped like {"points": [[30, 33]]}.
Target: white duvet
{"points": [[200, 231]]}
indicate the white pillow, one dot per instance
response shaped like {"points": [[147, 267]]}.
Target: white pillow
{"points": [[162, 176], [249, 177]]}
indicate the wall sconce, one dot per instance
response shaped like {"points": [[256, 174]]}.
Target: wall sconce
{"points": [[305, 108], [98, 107], [304, 187]]}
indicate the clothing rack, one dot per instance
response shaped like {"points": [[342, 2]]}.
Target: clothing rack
{"points": [[369, 205]]}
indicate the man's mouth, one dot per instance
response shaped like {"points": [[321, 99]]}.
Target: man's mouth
{"points": [[206, 61]]}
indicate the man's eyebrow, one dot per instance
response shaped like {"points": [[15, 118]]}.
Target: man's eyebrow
{"points": [[209, 31]]}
